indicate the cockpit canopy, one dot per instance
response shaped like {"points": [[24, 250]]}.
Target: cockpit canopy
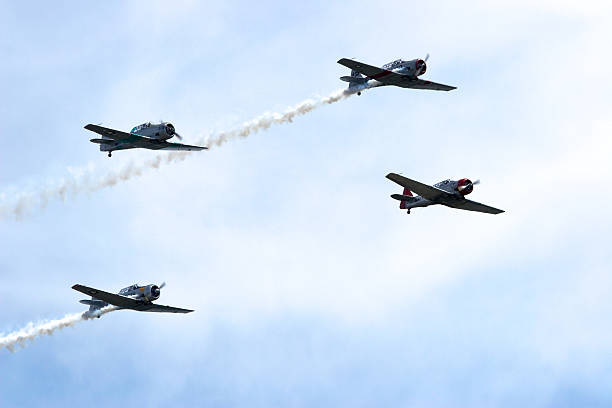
{"points": [[140, 127], [129, 288], [393, 65]]}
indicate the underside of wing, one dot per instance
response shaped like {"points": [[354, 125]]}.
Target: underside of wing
{"points": [[472, 206], [429, 192], [114, 299], [152, 307], [369, 71], [108, 133], [180, 146], [408, 82]]}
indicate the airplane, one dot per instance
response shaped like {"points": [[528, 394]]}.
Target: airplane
{"points": [[448, 192], [398, 73], [134, 297], [146, 136]]}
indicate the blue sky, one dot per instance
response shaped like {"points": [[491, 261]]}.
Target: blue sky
{"points": [[311, 287]]}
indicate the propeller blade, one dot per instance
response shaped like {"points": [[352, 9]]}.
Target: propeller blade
{"points": [[476, 182], [426, 57], [178, 136], [162, 285]]}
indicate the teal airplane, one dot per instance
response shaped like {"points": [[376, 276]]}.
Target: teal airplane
{"points": [[145, 136]]}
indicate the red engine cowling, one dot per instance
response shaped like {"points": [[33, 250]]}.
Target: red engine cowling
{"points": [[465, 186], [421, 67]]}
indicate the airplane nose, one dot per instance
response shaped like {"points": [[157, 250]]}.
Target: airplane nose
{"points": [[169, 129]]}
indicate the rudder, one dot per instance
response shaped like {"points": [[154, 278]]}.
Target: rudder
{"points": [[406, 192]]}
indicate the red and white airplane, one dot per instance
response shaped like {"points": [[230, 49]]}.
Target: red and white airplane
{"points": [[450, 193], [400, 73]]}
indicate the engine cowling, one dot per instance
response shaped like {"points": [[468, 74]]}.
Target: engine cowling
{"points": [[151, 292], [169, 129], [465, 186], [420, 67]]}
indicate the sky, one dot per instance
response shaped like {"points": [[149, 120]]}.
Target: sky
{"points": [[310, 286]]}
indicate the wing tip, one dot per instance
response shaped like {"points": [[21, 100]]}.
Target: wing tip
{"points": [[391, 175]]}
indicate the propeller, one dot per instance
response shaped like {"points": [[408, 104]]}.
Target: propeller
{"points": [[469, 186], [156, 290], [421, 68], [179, 137]]}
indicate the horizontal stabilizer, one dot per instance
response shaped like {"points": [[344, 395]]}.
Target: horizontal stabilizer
{"points": [[101, 141], [98, 303], [402, 197], [355, 80]]}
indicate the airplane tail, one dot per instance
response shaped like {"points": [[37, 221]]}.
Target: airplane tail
{"points": [[94, 306], [356, 80], [403, 203]]}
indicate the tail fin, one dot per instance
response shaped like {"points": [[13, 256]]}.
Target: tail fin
{"points": [[406, 192], [355, 80]]}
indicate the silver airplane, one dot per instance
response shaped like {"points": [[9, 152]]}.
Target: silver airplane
{"points": [[145, 136], [134, 297], [448, 192], [398, 73]]}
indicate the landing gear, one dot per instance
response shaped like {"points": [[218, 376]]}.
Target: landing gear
{"points": [[359, 93], [110, 154]]}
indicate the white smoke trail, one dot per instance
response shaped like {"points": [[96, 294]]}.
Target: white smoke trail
{"points": [[85, 180], [32, 331], [266, 120]]}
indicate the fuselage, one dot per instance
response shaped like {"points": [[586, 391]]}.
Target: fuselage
{"points": [[460, 188], [157, 132], [161, 131], [413, 68], [147, 293]]}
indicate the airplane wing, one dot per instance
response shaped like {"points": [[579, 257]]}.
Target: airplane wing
{"points": [[370, 71], [176, 146], [112, 298], [429, 192], [125, 302], [152, 307], [392, 78], [107, 132], [423, 84], [473, 206]]}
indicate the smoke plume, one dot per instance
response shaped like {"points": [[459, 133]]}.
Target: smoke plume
{"points": [[87, 181], [266, 120], [33, 331]]}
